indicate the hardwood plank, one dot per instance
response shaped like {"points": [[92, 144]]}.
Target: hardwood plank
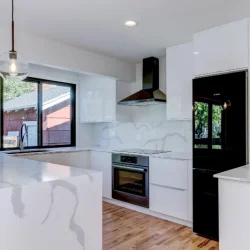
{"points": [[124, 229]]}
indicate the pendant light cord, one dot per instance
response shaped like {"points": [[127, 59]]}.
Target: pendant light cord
{"points": [[13, 28]]}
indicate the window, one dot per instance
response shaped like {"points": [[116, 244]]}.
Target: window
{"points": [[216, 126], [201, 124], [19, 107], [56, 114], [208, 121], [44, 110]]}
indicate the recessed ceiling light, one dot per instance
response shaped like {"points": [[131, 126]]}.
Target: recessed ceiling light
{"points": [[130, 23], [196, 53]]}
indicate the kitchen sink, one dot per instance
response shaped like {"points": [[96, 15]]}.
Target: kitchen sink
{"points": [[26, 152]]}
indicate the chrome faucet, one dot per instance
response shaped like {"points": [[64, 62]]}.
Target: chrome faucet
{"points": [[22, 136]]}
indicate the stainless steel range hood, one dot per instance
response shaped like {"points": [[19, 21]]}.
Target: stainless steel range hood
{"points": [[150, 93]]}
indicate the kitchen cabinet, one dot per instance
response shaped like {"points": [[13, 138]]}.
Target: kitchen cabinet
{"points": [[124, 113], [221, 49], [169, 191], [169, 173], [169, 201], [179, 68], [97, 99], [102, 161]]}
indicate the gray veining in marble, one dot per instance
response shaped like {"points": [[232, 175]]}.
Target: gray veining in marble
{"points": [[165, 135], [17, 203], [16, 172], [74, 227], [163, 140]]}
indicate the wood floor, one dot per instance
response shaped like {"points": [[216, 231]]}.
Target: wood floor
{"points": [[124, 229]]}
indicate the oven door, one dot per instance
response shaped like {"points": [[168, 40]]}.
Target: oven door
{"points": [[130, 184]]}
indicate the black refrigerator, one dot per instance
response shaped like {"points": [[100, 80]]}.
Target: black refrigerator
{"points": [[220, 117]]}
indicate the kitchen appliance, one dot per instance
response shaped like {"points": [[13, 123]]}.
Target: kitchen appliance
{"points": [[131, 178], [150, 93], [11, 64], [143, 151], [219, 142]]}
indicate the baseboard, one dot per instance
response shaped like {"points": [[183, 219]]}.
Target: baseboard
{"points": [[149, 212]]}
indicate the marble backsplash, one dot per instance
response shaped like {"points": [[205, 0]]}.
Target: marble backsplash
{"points": [[175, 136]]}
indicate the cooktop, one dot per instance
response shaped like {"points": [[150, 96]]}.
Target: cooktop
{"points": [[143, 151]]}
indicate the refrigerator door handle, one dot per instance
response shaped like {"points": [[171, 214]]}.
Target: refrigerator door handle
{"points": [[207, 170]]}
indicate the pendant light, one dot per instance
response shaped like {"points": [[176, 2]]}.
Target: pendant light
{"points": [[11, 65]]}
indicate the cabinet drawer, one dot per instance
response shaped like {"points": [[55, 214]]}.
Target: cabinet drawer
{"points": [[169, 173], [169, 201]]}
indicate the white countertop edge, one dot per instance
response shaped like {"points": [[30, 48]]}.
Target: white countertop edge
{"points": [[241, 174], [169, 155]]}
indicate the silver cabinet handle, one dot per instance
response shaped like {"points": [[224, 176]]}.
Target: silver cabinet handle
{"points": [[180, 189], [130, 168]]}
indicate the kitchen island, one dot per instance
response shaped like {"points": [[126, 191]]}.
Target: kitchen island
{"points": [[234, 207], [49, 206]]}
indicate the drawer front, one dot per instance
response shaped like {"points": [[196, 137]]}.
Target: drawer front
{"points": [[169, 201], [169, 173]]}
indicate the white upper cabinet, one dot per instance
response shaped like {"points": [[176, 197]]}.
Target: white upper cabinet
{"points": [[222, 48], [97, 99], [179, 81]]}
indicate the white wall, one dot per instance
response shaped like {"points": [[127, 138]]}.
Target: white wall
{"points": [[43, 51]]}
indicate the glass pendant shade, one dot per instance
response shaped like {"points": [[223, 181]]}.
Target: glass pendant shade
{"points": [[13, 66]]}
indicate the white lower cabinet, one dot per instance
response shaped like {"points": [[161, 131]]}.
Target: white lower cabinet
{"points": [[168, 172], [168, 193], [102, 161], [169, 201]]}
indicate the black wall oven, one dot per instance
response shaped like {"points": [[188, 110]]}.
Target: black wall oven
{"points": [[130, 179]]}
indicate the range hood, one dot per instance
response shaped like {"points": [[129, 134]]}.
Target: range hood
{"points": [[150, 93]]}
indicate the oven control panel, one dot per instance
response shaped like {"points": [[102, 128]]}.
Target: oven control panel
{"points": [[130, 159]]}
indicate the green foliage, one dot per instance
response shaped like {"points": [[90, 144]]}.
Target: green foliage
{"points": [[217, 120], [201, 110], [201, 118], [14, 88]]}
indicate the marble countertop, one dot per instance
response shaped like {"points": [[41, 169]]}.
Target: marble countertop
{"points": [[16, 171], [169, 155], [174, 155], [237, 174]]}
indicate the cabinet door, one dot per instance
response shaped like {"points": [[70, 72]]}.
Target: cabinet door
{"points": [[101, 161], [169, 201], [97, 99], [222, 48], [169, 173], [179, 82]]}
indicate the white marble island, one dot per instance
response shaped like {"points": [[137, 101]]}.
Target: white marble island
{"points": [[234, 208], [49, 206]]}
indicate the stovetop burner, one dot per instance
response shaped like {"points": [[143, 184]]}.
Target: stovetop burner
{"points": [[143, 151]]}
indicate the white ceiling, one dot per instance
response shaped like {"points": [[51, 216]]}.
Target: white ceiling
{"points": [[97, 25]]}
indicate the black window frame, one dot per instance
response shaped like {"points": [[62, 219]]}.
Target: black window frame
{"points": [[40, 82]]}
